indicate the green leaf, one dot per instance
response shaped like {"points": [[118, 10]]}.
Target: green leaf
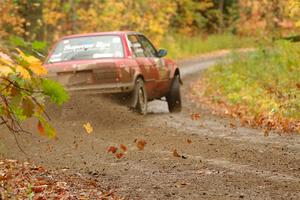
{"points": [[40, 46], [55, 91], [50, 131], [28, 107], [15, 101], [18, 112], [17, 41]]}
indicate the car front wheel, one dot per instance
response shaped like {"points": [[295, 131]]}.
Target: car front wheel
{"points": [[174, 97]]}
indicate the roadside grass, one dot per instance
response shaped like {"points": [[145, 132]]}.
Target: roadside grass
{"points": [[262, 88], [180, 46]]}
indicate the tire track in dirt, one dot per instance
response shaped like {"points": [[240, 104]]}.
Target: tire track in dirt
{"points": [[222, 162], [241, 168]]}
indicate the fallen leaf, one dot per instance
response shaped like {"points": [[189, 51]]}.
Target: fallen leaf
{"points": [[189, 141], [119, 155], [195, 116], [5, 177], [141, 144], [199, 172], [75, 144], [266, 132], [184, 157], [41, 128], [184, 183], [112, 149], [49, 148], [176, 154], [123, 147], [88, 127], [232, 125], [38, 189]]}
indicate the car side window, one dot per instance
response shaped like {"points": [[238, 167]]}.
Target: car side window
{"points": [[149, 49], [136, 46]]}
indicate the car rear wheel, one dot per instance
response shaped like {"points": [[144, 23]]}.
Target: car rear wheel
{"points": [[174, 96], [139, 98]]}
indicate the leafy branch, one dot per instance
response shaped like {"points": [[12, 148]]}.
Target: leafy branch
{"points": [[23, 90]]}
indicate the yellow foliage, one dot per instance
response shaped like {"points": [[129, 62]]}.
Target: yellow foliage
{"points": [[5, 70], [7, 66], [264, 16], [11, 21], [147, 16], [23, 72], [35, 65], [6, 61], [293, 11], [54, 20]]}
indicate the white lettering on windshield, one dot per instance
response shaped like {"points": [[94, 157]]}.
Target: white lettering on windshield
{"points": [[83, 47]]}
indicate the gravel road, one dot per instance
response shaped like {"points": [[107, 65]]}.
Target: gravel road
{"points": [[216, 158]]}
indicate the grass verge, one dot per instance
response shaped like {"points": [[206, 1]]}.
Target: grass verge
{"points": [[180, 46], [261, 88]]}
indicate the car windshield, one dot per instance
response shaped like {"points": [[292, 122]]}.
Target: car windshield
{"points": [[85, 48]]}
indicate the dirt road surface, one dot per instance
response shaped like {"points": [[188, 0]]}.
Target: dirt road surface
{"points": [[218, 160]]}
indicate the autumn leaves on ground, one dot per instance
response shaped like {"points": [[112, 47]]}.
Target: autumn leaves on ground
{"points": [[101, 150], [27, 181]]}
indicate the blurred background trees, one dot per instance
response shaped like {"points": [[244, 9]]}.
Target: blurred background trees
{"points": [[49, 20]]}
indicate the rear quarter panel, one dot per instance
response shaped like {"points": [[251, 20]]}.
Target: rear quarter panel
{"points": [[164, 85]]}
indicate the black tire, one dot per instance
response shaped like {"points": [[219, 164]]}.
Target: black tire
{"points": [[139, 97], [174, 96]]}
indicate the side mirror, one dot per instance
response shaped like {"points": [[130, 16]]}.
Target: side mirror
{"points": [[162, 53]]}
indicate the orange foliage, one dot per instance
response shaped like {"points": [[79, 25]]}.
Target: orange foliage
{"points": [[260, 17], [10, 21]]}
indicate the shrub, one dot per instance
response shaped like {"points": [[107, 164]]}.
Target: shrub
{"points": [[263, 85]]}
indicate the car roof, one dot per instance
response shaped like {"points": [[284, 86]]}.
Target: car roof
{"points": [[100, 33]]}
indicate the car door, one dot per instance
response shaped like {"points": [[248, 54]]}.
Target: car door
{"points": [[161, 70], [145, 63]]}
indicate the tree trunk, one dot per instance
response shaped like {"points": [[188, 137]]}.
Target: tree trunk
{"points": [[74, 16], [221, 20]]}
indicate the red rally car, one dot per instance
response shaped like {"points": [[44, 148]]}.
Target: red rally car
{"points": [[116, 62]]}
